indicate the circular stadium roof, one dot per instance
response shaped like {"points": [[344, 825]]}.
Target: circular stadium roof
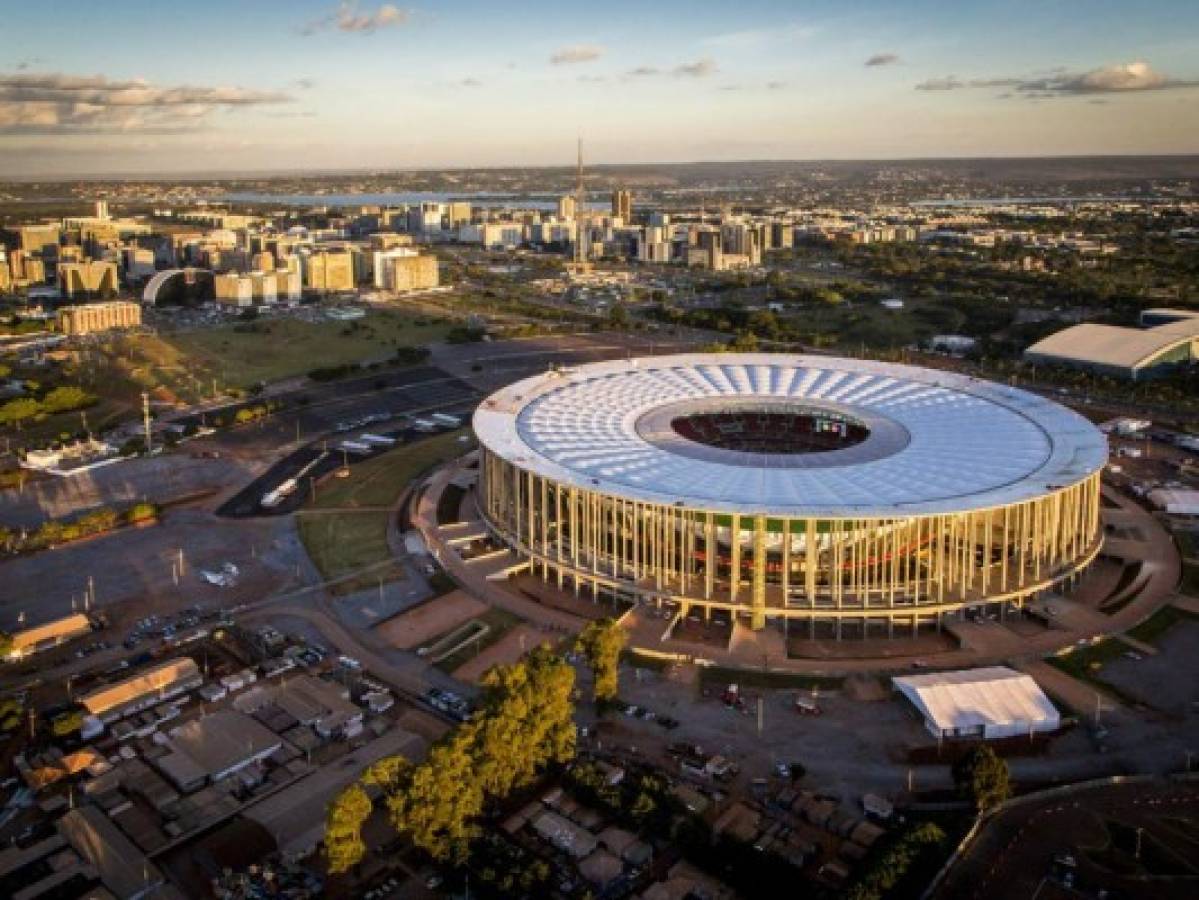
{"points": [[938, 442]]}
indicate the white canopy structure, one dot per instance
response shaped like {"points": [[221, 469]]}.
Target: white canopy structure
{"points": [[994, 702]]}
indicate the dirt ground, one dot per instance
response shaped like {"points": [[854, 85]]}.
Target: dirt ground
{"points": [[506, 650], [427, 621]]}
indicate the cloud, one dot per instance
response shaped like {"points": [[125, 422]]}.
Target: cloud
{"points": [[576, 53], [1114, 79], [350, 18], [701, 68], [52, 102], [883, 59]]}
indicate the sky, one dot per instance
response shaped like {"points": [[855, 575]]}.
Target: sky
{"points": [[149, 87]]}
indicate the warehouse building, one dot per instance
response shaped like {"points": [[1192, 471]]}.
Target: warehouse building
{"points": [[50, 634], [215, 746], [149, 688], [1134, 354]]}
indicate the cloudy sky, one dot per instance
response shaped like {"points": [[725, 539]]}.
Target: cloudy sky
{"points": [[149, 86]]}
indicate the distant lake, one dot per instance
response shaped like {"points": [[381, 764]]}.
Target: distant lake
{"points": [[486, 199]]}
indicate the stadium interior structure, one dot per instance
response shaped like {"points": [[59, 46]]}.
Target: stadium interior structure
{"points": [[846, 497]]}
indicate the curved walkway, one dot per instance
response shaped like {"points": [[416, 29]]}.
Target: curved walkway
{"points": [[425, 520]]}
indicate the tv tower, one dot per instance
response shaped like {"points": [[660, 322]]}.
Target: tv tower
{"points": [[580, 254]]}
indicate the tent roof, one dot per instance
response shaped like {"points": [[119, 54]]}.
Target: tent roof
{"points": [[971, 697]]}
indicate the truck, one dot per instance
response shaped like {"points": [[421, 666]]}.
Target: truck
{"points": [[356, 447], [273, 498], [377, 440], [447, 420], [423, 425]]}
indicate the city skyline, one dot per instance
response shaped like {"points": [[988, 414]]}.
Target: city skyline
{"points": [[318, 85]]}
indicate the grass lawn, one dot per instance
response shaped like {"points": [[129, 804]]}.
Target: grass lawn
{"points": [[380, 480], [1086, 665], [272, 349], [501, 622], [354, 538], [346, 542], [1190, 580], [1159, 623], [721, 677]]}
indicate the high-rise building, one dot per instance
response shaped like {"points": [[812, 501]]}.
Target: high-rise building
{"points": [[93, 276], [331, 271], [457, 213], [101, 209], [409, 272], [567, 207], [41, 239], [232, 289], [622, 205]]}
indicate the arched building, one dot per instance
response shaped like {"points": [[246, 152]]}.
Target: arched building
{"points": [[847, 496]]}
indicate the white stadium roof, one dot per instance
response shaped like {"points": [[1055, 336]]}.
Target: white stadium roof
{"points": [[939, 442], [993, 702]]}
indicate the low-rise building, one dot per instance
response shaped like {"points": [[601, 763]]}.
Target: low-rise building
{"points": [[146, 689], [215, 746], [50, 634], [90, 318]]}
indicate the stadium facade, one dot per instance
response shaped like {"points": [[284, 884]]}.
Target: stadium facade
{"points": [[850, 497]]}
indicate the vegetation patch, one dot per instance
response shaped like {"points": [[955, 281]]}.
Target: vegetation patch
{"points": [[722, 676], [349, 540], [54, 532], [497, 622], [241, 355], [1151, 630]]}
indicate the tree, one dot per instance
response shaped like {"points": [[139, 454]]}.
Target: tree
{"points": [[348, 812], [14, 412], [526, 722], [437, 804], [601, 642], [388, 774], [982, 777], [66, 398]]}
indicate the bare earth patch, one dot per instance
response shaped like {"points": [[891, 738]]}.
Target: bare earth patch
{"points": [[429, 620], [508, 649]]}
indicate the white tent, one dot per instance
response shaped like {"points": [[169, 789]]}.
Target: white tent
{"points": [[994, 702]]}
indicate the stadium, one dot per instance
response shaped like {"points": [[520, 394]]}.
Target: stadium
{"points": [[849, 498]]}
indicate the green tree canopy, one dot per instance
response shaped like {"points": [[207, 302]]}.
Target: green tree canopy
{"points": [[14, 412], [66, 398], [601, 642], [347, 814], [982, 777]]}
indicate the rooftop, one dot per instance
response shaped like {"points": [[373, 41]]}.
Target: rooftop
{"points": [[937, 441], [1114, 345], [222, 741], [968, 698]]}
